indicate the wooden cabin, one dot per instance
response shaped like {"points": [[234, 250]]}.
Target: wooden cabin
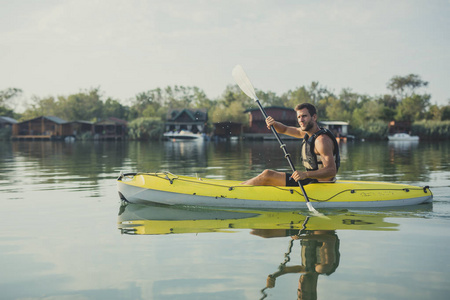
{"points": [[257, 128], [110, 129], [41, 128], [79, 128], [7, 122], [227, 129], [193, 120]]}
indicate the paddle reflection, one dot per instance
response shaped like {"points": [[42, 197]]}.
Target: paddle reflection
{"points": [[319, 255]]}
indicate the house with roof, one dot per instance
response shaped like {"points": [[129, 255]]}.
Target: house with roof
{"points": [[110, 129], [41, 128], [257, 128], [193, 120], [78, 128], [6, 122], [338, 128]]}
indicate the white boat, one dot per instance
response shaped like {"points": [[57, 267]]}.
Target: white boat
{"points": [[183, 135], [403, 137]]}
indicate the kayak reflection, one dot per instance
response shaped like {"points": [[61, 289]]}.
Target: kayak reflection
{"points": [[157, 219], [316, 236]]}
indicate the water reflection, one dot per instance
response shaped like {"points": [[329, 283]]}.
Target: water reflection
{"points": [[319, 256], [315, 238], [159, 219], [39, 166], [403, 145]]}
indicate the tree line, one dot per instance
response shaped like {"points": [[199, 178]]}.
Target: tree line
{"points": [[366, 114]]}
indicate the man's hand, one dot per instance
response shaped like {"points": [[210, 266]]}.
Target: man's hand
{"points": [[299, 176], [269, 121], [270, 283]]}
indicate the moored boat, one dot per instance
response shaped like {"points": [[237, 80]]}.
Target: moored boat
{"points": [[170, 189], [183, 135], [403, 137]]}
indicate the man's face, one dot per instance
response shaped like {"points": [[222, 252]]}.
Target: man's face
{"points": [[305, 120]]}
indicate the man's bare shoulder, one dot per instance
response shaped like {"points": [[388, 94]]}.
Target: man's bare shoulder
{"points": [[323, 143]]}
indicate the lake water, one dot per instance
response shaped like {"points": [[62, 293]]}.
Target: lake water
{"points": [[61, 236]]}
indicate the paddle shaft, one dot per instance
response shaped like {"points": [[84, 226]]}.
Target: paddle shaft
{"points": [[282, 146]]}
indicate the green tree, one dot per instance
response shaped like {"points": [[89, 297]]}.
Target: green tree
{"points": [[233, 94], [350, 98], [113, 108], [231, 113], [7, 101], [269, 98], [335, 110], [48, 106], [147, 104], [405, 86], [413, 108], [156, 102], [445, 113], [85, 105], [317, 93], [434, 113], [297, 96], [146, 129]]}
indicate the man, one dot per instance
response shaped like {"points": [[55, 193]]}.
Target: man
{"points": [[319, 151]]}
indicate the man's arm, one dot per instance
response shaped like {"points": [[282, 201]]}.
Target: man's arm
{"points": [[283, 129]]}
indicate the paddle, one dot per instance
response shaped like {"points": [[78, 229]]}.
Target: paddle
{"points": [[246, 86]]}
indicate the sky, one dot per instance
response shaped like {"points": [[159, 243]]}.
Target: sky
{"points": [[60, 47]]}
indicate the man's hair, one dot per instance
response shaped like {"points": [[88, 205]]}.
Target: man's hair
{"points": [[311, 108]]}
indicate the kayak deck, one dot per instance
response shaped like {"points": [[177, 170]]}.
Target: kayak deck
{"points": [[167, 188]]}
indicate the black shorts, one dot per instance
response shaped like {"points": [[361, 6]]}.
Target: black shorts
{"points": [[292, 182]]}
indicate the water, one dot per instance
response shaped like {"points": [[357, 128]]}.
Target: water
{"points": [[60, 237]]}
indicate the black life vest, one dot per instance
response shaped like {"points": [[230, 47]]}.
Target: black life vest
{"points": [[310, 159]]}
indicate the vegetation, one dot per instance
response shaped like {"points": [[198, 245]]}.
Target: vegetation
{"points": [[146, 129], [368, 115]]}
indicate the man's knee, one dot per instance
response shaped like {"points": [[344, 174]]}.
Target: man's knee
{"points": [[266, 173]]}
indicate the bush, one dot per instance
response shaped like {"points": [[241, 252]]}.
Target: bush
{"points": [[432, 130], [376, 130], [145, 129]]}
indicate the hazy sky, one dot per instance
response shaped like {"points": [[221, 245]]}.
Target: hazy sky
{"points": [[57, 47]]}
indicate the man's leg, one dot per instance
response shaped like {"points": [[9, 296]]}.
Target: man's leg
{"points": [[268, 177]]}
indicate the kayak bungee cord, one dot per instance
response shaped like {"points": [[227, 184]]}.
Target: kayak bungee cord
{"points": [[165, 175]]}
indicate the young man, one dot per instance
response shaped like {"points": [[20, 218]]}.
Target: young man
{"points": [[319, 152]]}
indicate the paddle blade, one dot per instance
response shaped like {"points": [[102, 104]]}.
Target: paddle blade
{"points": [[243, 82]]}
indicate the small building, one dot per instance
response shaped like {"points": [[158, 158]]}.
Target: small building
{"points": [[338, 128], [227, 129], [110, 129], [41, 128], [399, 127], [77, 128], [257, 128], [193, 120], [7, 122]]}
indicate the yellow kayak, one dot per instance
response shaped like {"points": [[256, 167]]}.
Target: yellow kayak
{"points": [[169, 189]]}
